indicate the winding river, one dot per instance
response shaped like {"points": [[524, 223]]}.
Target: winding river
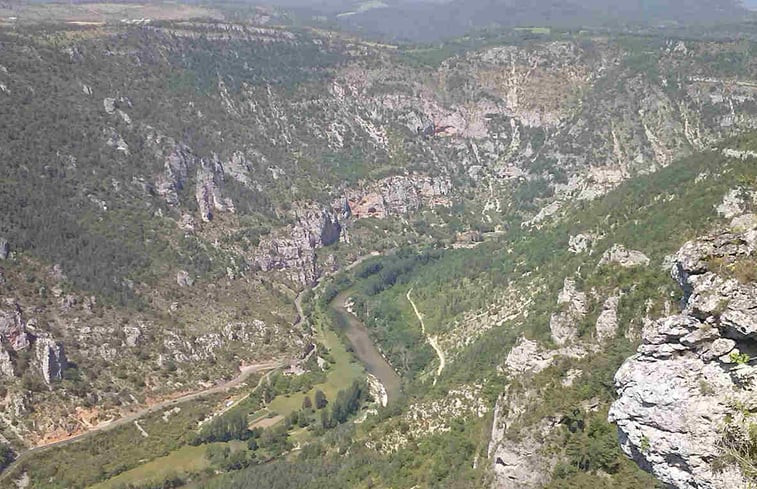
{"points": [[364, 349]]}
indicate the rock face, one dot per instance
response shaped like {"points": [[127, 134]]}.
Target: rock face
{"points": [[177, 164], [607, 322], [619, 255], [5, 249], [687, 387], [528, 357], [6, 366], [210, 178], [563, 324], [294, 250], [13, 328], [519, 464], [398, 196], [51, 359]]}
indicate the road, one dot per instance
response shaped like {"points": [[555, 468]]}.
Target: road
{"points": [[432, 340], [244, 373]]}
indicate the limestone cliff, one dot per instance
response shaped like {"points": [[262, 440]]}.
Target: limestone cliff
{"points": [[688, 398]]}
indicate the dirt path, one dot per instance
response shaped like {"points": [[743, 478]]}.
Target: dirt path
{"points": [[432, 340], [244, 373]]}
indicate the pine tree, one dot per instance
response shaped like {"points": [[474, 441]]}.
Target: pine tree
{"points": [[307, 404], [320, 400]]}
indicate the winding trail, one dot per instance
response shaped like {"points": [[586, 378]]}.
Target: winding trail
{"points": [[432, 340]]}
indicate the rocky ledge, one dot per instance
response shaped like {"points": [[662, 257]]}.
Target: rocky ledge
{"points": [[688, 398]]}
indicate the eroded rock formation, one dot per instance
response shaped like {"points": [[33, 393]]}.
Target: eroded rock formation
{"points": [[691, 388]]}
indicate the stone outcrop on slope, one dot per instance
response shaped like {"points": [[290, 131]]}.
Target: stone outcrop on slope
{"points": [[208, 193], [17, 334], [5, 249], [294, 249], [562, 324], [398, 196], [51, 358], [517, 454], [688, 383], [177, 164], [519, 463], [13, 327], [607, 322], [6, 365], [624, 257]]}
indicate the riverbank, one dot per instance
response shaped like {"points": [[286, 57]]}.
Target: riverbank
{"points": [[364, 348]]}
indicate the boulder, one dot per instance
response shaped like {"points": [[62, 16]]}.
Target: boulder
{"points": [[619, 255], [580, 243], [184, 279]]}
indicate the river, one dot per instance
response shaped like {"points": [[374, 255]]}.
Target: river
{"points": [[364, 349]]}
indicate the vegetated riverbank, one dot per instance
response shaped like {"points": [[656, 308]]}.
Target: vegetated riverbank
{"points": [[364, 348]]}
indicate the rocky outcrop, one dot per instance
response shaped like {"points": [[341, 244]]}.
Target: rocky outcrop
{"points": [[398, 196], [528, 357], [109, 104], [6, 365], [177, 165], [580, 243], [626, 258], [733, 203], [50, 358], [133, 335], [205, 347], [294, 250], [563, 324], [516, 452], [210, 179], [184, 279], [684, 396], [5, 249], [607, 322], [519, 462], [13, 327]]}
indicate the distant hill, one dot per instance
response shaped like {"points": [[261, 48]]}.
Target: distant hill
{"points": [[426, 21]]}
